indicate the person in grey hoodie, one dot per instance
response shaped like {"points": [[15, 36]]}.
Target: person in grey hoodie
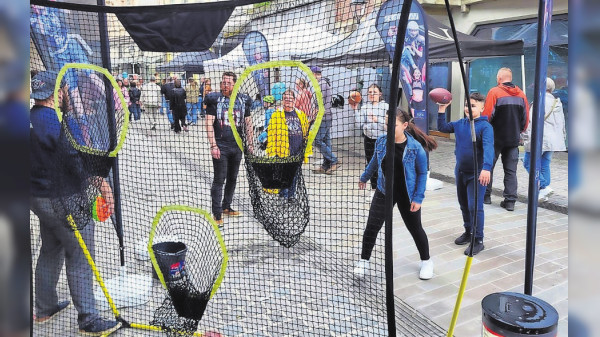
{"points": [[372, 122]]}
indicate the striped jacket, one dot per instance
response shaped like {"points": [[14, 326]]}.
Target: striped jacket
{"points": [[506, 108]]}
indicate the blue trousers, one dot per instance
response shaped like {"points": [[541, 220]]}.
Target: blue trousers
{"points": [[192, 112], [167, 109], [136, 110], [466, 199], [544, 169], [323, 143]]}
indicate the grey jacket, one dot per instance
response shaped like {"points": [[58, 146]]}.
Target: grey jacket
{"points": [[554, 126]]}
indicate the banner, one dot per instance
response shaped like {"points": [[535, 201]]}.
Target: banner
{"points": [[256, 50], [413, 62]]}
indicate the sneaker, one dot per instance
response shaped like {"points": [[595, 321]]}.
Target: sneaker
{"points": [[477, 248], [362, 266], [426, 272], [508, 205], [153, 126], [218, 221], [59, 308], [230, 212], [487, 199], [320, 170], [100, 327], [463, 239], [185, 128], [544, 193], [332, 168]]}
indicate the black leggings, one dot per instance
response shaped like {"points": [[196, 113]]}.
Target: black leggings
{"points": [[412, 220], [369, 151]]}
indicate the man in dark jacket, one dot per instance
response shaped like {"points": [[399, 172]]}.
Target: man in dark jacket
{"points": [[134, 98], [59, 246], [165, 90], [506, 107], [178, 107]]}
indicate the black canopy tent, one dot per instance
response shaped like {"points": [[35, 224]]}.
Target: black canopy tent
{"points": [[365, 48], [190, 62]]}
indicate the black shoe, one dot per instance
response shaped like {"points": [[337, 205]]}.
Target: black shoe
{"points": [[100, 327], [477, 248], [463, 239], [508, 205], [487, 199]]}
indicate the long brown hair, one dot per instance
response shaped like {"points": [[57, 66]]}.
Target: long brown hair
{"points": [[428, 142]]}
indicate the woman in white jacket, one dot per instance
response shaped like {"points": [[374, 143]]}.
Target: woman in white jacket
{"points": [[372, 122], [554, 137]]}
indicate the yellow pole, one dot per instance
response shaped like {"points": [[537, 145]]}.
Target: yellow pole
{"points": [[461, 292]]}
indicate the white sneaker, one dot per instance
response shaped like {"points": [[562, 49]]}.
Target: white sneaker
{"points": [[426, 272], [544, 193], [361, 267]]}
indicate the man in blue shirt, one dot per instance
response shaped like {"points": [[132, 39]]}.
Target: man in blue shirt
{"points": [[52, 155]]}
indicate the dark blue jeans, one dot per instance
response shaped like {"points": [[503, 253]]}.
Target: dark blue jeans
{"points": [[226, 170], [323, 143], [136, 111], [465, 191]]}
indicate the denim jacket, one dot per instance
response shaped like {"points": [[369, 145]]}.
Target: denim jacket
{"points": [[415, 167]]}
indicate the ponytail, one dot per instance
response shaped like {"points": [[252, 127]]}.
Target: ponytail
{"points": [[428, 142]]}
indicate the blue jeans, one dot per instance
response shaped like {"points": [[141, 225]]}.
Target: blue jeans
{"points": [[192, 115], [466, 199], [544, 169], [289, 193], [323, 143], [136, 111], [167, 108]]}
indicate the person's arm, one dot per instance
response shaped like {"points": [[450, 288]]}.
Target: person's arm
{"points": [[371, 167], [490, 105], [525, 115], [442, 125], [421, 182], [211, 112], [487, 139]]}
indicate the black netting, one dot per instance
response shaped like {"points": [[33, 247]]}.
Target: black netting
{"points": [[290, 211]]}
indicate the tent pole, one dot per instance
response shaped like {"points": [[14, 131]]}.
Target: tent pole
{"points": [[523, 71]]}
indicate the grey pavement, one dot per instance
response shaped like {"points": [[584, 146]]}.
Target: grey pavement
{"points": [[310, 289], [442, 162]]}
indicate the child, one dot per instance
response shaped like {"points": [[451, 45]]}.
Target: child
{"points": [[465, 176], [410, 178]]}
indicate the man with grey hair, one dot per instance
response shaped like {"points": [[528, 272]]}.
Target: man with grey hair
{"points": [[506, 108]]}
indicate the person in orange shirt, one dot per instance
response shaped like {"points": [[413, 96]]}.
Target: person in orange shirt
{"points": [[506, 108]]}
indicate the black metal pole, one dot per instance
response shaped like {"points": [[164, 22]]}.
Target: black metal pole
{"points": [[537, 133], [105, 55], [395, 94], [473, 135]]}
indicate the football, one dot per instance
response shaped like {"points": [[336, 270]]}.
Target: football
{"points": [[440, 95]]}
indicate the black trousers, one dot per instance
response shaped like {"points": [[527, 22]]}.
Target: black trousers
{"points": [[412, 221], [510, 160], [226, 170], [179, 117], [369, 151]]}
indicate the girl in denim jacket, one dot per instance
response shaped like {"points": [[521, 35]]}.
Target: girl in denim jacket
{"points": [[410, 177]]}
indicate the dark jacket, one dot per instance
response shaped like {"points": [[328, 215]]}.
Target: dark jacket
{"points": [[166, 89], [506, 108], [484, 134], [53, 159], [134, 95], [177, 101]]}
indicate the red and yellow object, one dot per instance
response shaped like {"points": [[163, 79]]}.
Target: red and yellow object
{"points": [[100, 210]]}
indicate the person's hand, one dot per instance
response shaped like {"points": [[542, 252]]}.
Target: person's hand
{"points": [[484, 177], [361, 185], [442, 107], [107, 194], [414, 206], [215, 152]]}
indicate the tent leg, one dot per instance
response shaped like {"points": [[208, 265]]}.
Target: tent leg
{"points": [[523, 85]]}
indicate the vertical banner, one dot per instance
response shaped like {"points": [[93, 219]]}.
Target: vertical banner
{"points": [[413, 62], [256, 50]]}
